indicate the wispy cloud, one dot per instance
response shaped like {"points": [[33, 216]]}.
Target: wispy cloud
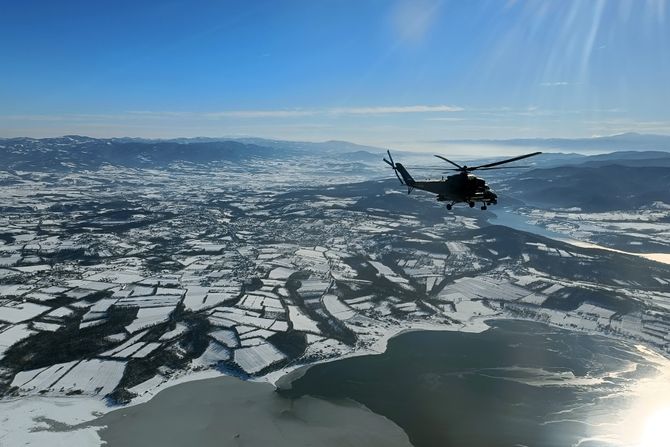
{"points": [[243, 114], [447, 118], [554, 84], [395, 109], [254, 114], [373, 110], [65, 117], [622, 125]]}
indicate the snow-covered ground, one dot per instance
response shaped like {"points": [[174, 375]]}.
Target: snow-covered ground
{"points": [[255, 276]]}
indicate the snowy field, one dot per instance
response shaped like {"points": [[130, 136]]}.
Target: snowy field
{"points": [[256, 276]]}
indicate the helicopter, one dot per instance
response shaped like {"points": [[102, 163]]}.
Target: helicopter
{"points": [[458, 188]]}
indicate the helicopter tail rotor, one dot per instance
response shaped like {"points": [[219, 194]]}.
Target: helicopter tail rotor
{"points": [[401, 173], [393, 166]]}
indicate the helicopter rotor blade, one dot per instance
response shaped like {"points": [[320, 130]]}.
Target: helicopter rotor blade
{"points": [[429, 168], [482, 169], [399, 179], [449, 161], [504, 167], [509, 160]]}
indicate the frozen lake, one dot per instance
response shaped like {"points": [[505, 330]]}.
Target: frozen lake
{"points": [[226, 411], [519, 383], [519, 222]]}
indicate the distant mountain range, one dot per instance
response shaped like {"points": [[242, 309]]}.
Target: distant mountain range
{"points": [[80, 152], [615, 181], [324, 146], [75, 152]]}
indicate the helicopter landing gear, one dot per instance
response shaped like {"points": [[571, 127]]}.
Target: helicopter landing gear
{"points": [[483, 207], [449, 206], [472, 204]]}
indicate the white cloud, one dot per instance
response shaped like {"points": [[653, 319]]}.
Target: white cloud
{"points": [[395, 109], [554, 84], [372, 110], [442, 118], [258, 114], [242, 114]]}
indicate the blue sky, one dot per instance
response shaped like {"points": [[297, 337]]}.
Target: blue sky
{"points": [[398, 73]]}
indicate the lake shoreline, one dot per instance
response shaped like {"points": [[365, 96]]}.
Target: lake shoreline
{"points": [[511, 384], [266, 400], [508, 218], [227, 411], [283, 382]]}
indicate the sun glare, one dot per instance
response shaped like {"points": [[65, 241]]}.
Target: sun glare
{"points": [[656, 431], [645, 420]]}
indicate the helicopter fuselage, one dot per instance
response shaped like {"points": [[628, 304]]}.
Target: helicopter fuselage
{"points": [[457, 188], [462, 187]]}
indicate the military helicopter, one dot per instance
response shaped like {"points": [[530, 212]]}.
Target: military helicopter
{"points": [[462, 187]]}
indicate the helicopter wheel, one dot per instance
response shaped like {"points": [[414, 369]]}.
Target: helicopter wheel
{"points": [[483, 207], [449, 206], [472, 204]]}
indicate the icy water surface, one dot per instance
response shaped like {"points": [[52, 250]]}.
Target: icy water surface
{"points": [[520, 222], [226, 411], [516, 384]]}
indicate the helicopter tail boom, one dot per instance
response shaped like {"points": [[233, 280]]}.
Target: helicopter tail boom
{"points": [[409, 181]]}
